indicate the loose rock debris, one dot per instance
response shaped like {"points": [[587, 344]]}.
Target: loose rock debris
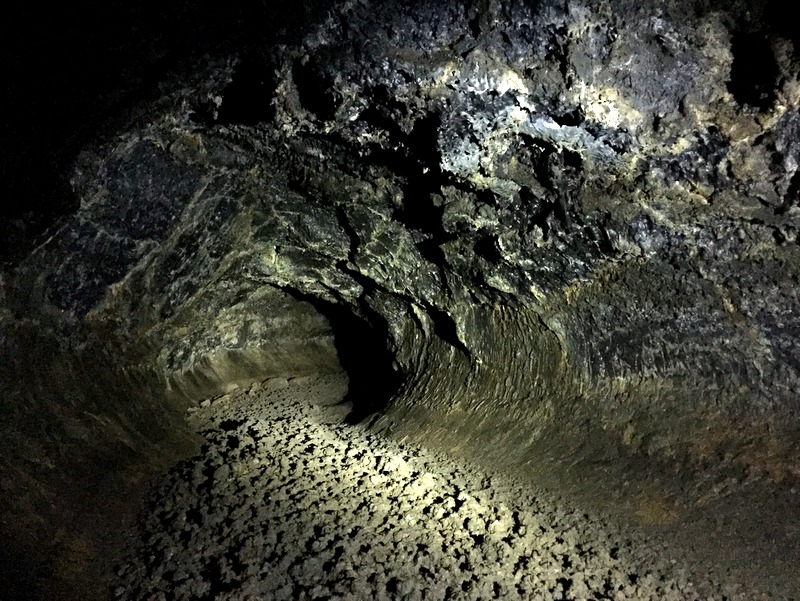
{"points": [[286, 501]]}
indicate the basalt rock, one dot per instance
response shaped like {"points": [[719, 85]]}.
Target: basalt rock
{"points": [[556, 234]]}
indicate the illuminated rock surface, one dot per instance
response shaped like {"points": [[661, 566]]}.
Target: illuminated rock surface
{"points": [[287, 502], [558, 241]]}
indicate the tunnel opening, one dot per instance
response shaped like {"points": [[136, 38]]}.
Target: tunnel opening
{"points": [[361, 345]]}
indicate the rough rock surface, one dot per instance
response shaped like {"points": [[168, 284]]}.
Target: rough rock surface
{"points": [[561, 237], [286, 501]]}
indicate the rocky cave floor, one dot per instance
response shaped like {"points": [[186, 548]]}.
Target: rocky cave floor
{"points": [[287, 501]]}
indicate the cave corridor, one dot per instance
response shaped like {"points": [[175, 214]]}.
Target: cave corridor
{"points": [[371, 299]]}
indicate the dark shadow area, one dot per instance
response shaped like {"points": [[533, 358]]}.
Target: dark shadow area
{"points": [[248, 98], [75, 73], [72, 74], [776, 17], [361, 347], [17, 577], [754, 70], [384, 112], [314, 87]]}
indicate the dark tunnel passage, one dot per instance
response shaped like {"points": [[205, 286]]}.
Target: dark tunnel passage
{"points": [[409, 300], [373, 375]]}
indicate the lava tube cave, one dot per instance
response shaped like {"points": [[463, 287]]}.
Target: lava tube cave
{"points": [[370, 299]]}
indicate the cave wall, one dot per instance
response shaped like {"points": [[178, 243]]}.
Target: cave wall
{"points": [[573, 224]]}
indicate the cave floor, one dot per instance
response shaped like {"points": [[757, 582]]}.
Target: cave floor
{"points": [[286, 501]]}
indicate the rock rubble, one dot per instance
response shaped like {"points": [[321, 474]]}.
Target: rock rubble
{"points": [[286, 501]]}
